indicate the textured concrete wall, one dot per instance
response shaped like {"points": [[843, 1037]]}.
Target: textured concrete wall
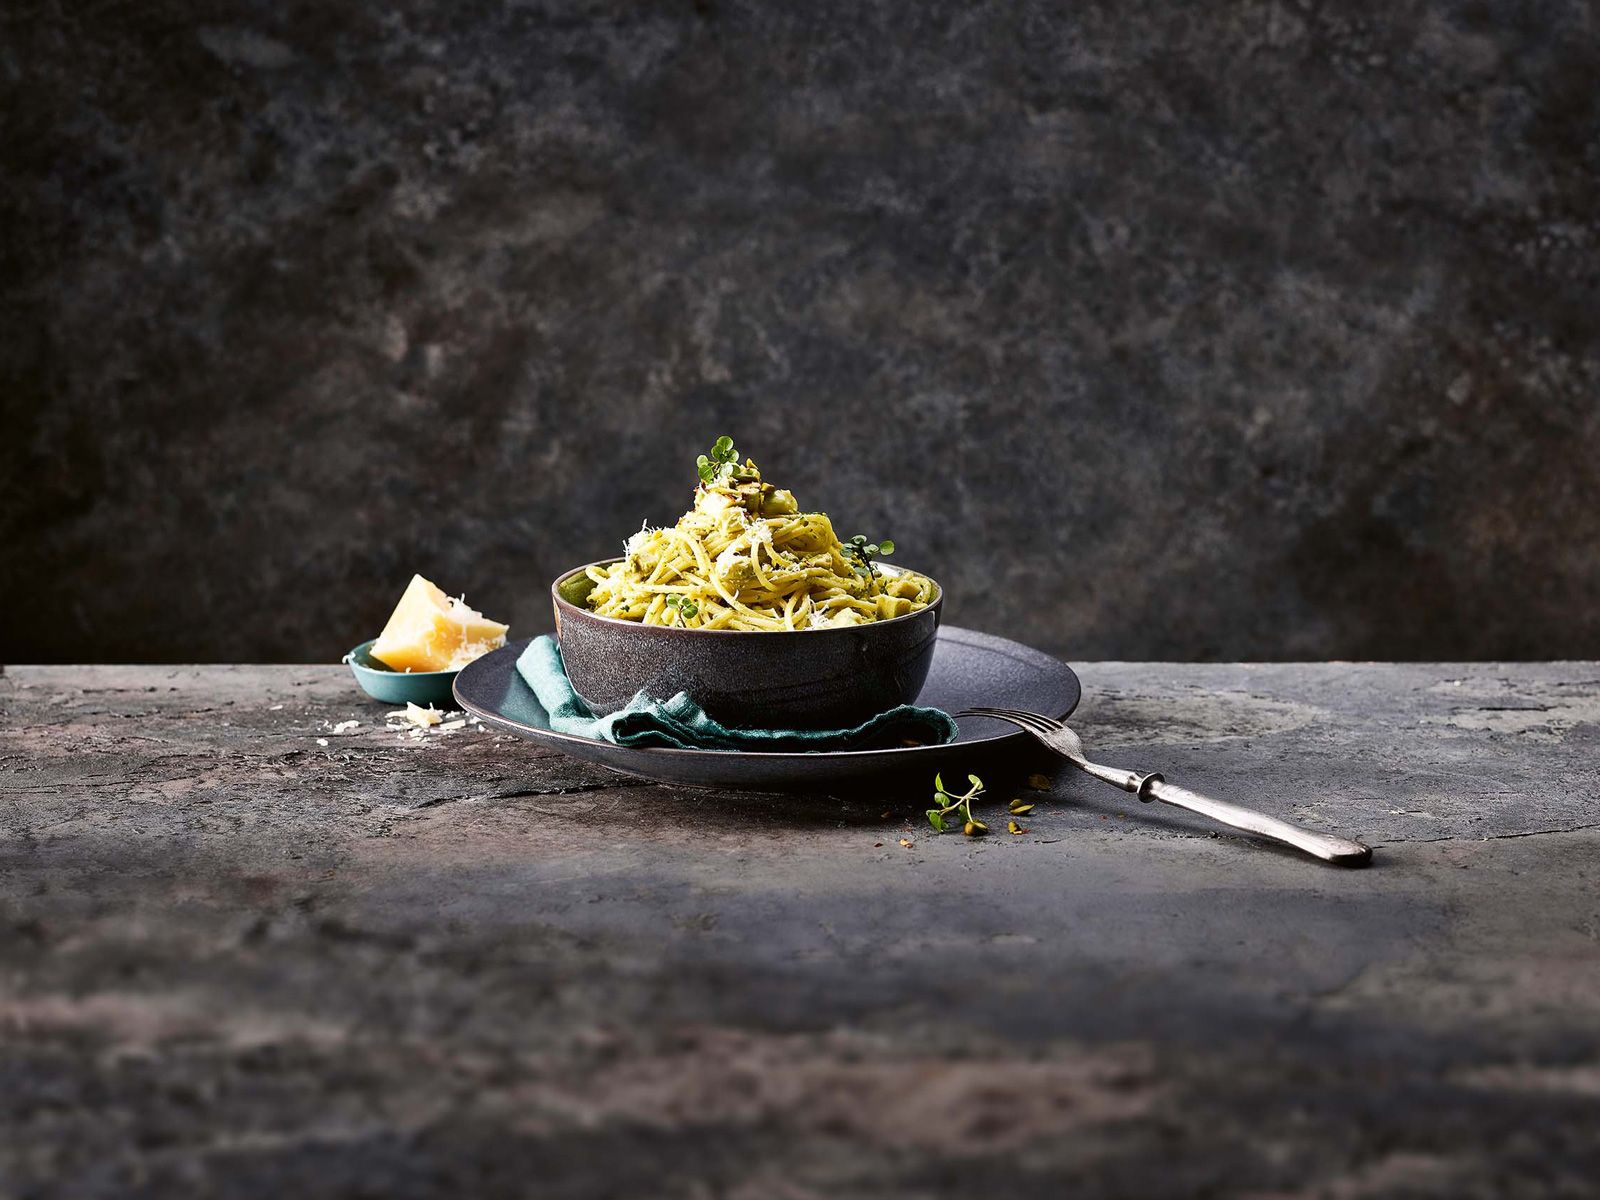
{"points": [[1247, 330]]}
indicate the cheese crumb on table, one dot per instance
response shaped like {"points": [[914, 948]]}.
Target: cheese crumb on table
{"points": [[430, 631], [420, 716], [415, 723]]}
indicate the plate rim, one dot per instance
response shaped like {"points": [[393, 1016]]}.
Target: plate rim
{"points": [[773, 756]]}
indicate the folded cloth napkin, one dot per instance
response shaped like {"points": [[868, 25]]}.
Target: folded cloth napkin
{"points": [[683, 724]]}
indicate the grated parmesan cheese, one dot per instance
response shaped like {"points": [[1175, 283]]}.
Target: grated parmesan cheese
{"points": [[422, 717]]}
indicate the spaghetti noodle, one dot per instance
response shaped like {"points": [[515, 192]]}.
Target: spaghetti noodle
{"points": [[745, 557]]}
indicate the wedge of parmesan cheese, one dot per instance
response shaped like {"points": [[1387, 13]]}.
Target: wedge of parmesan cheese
{"points": [[430, 631]]}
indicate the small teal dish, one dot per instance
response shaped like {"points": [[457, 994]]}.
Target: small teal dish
{"points": [[397, 687]]}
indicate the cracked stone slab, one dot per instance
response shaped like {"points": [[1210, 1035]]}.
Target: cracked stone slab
{"points": [[1388, 752], [235, 961]]}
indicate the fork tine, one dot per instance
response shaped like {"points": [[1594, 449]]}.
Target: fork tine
{"points": [[989, 712], [1004, 713], [1036, 722], [1014, 716], [1024, 726], [1018, 714]]}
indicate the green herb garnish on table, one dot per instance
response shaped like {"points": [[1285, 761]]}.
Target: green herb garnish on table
{"points": [[960, 805]]}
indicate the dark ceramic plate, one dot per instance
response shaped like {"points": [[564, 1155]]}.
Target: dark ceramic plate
{"points": [[968, 669]]}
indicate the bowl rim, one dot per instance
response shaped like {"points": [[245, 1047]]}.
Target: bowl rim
{"points": [[366, 646], [565, 606]]}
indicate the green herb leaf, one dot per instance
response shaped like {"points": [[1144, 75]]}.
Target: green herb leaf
{"points": [[861, 552], [712, 466], [974, 781], [936, 819], [938, 783]]}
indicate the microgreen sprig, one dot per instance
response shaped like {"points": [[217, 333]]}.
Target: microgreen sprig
{"points": [[861, 552], [686, 606], [721, 458], [961, 805]]}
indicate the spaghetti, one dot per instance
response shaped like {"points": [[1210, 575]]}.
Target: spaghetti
{"points": [[745, 557]]}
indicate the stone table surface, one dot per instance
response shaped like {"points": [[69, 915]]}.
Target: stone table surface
{"points": [[249, 949]]}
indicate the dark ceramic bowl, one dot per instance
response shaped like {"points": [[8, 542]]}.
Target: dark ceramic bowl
{"points": [[809, 679]]}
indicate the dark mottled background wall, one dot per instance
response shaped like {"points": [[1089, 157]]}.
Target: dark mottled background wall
{"points": [[1237, 330]]}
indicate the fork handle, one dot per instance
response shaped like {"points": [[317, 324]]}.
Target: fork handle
{"points": [[1324, 845]]}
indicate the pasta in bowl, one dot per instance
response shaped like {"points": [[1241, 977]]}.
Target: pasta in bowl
{"points": [[753, 607], [746, 558]]}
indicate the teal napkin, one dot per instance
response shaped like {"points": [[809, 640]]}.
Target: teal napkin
{"points": [[683, 724]]}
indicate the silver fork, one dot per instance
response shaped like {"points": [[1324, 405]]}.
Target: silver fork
{"points": [[1150, 787]]}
